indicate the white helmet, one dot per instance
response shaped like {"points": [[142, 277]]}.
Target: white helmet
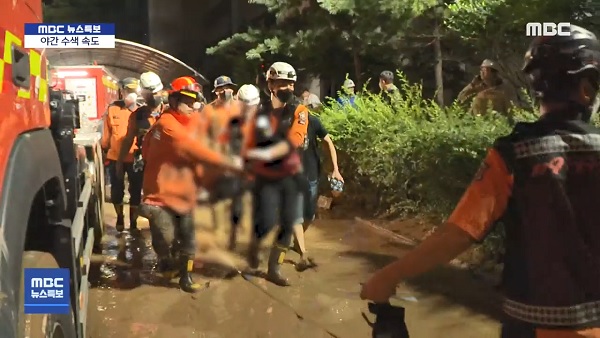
{"points": [[249, 95], [281, 71], [151, 81]]}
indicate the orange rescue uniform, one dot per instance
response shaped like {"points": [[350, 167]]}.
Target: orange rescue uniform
{"points": [[483, 203], [218, 116], [172, 150], [115, 129], [215, 119]]}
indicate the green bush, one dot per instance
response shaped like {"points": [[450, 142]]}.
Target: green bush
{"points": [[414, 156]]}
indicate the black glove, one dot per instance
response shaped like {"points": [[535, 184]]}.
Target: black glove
{"points": [[389, 321]]}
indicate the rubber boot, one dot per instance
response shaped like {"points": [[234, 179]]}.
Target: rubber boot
{"points": [[253, 254], [185, 271], [120, 225], [167, 268], [133, 216], [274, 273]]}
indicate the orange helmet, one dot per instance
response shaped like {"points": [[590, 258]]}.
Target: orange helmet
{"points": [[185, 82]]}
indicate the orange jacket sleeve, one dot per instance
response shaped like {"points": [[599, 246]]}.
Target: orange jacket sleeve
{"points": [[486, 199], [106, 132], [187, 145], [299, 126]]}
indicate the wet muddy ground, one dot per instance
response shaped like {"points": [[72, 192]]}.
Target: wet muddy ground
{"points": [[128, 299]]}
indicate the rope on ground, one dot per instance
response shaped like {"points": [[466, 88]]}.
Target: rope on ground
{"points": [[248, 278], [402, 239]]}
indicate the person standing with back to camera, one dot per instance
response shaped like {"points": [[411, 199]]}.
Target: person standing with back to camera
{"points": [[543, 181]]}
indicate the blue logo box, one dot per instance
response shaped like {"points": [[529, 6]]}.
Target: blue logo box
{"points": [[47, 291]]}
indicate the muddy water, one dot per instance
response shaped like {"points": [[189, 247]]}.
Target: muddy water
{"points": [[128, 299]]}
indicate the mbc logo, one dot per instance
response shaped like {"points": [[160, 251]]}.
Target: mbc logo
{"points": [[548, 29], [47, 282], [51, 29]]}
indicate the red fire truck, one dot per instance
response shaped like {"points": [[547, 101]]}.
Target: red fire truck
{"points": [[50, 183], [93, 86]]}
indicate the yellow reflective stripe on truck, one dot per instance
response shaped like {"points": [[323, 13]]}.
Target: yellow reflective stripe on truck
{"points": [[9, 40], [35, 67]]}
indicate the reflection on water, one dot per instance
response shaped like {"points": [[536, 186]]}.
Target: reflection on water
{"points": [[127, 261]]}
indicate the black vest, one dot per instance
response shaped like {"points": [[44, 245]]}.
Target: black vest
{"points": [[553, 218], [266, 135]]}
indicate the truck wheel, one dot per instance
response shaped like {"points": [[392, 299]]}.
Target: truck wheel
{"points": [[97, 212], [96, 217], [42, 326]]}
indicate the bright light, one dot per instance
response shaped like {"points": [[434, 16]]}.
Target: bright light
{"points": [[74, 73], [109, 78]]}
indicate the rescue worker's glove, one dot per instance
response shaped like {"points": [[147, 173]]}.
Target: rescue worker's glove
{"points": [[105, 160], [389, 321]]}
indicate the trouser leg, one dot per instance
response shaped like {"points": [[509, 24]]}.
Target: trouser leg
{"points": [[237, 204], [288, 197], [117, 192], [187, 250], [266, 202], [298, 230], [135, 194], [162, 227]]}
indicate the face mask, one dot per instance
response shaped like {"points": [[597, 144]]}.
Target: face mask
{"points": [[131, 98], [225, 96], [185, 109], [284, 96]]}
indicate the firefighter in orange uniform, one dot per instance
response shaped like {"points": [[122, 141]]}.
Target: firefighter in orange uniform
{"points": [[543, 180], [274, 135], [171, 153], [115, 128], [248, 99], [139, 122], [219, 112]]}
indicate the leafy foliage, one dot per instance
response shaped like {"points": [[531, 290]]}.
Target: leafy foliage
{"points": [[334, 37], [414, 155], [498, 26], [328, 35]]}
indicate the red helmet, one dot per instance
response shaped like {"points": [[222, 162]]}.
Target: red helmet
{"points": [[186, 82]]}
